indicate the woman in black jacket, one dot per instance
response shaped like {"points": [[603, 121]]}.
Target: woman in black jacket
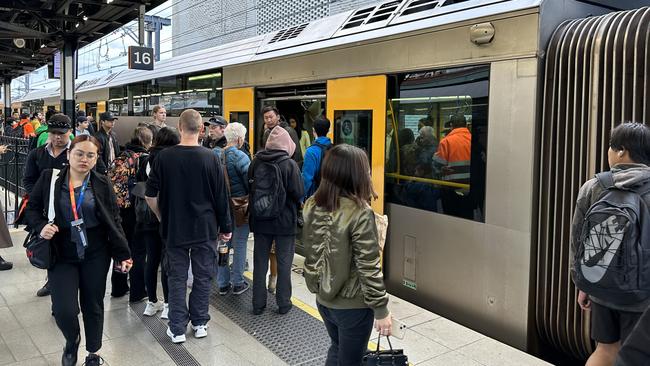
{"points": [[85, 235], [147, 228]]}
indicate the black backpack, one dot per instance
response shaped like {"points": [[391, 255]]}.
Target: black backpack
{"points": [[612, 260], [268, 196], [323, 150], [19, 131]]}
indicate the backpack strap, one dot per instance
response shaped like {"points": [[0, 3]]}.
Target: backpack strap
{"points": [[606, 179]]}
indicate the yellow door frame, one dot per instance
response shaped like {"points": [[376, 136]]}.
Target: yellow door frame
{"points": [[364, 93], [241, 100]]}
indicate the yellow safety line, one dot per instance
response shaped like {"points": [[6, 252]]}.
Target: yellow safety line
{"points": [[427, 180], [313, 312]]}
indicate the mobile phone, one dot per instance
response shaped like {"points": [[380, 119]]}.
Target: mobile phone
{"points": [[398, 329]]}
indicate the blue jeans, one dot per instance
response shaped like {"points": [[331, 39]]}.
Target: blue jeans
{"points": [[235, 274]]}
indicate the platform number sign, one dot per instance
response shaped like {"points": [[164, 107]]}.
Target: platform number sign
{"points": [[141, 58]]}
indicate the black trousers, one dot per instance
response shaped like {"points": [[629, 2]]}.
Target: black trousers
{"points": [[285, 246], [153, 242], [349, 330], [74, 284], [138, 249], [204, 269]]}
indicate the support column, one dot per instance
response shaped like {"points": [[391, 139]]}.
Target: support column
{"points": [[68, 71], [6, 94]]}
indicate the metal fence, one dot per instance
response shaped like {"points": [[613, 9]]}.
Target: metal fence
{"points": [[12, 167]]}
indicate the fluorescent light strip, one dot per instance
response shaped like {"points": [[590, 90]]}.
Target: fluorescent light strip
{"points": [[206, 76]]}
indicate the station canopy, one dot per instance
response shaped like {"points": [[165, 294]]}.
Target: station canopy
{"points": [[31, 31]]}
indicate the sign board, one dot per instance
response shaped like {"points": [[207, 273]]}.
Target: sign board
{"points": [[141, 58], [54, 70]]}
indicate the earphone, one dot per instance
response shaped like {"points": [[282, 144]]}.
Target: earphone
{"points": [[620, 154]]}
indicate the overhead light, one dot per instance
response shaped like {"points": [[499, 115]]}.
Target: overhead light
{"points": [[85, 18], [185, 91], [19, 42], [76, 25], [109, 1], [203, 77], [42, 45]]}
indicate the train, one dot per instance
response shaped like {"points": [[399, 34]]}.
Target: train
{"points": [[539, 83]]}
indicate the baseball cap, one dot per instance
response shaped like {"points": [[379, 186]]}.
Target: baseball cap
{"points": [[59, 123], [81, 119], [216, 121], [107, 116]]}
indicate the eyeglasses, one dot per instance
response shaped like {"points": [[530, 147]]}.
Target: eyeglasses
{"points": [[80, 155]]}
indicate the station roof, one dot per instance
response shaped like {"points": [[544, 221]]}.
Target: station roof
{"points": [[40, 26]]}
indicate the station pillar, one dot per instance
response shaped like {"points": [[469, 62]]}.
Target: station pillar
{"points": [[6, 95], [68, 74]]}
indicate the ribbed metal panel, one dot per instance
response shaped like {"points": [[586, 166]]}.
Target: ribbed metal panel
{"points": [[597, 75]]}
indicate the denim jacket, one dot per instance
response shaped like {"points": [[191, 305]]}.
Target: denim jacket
{"points": [[237, 164]]}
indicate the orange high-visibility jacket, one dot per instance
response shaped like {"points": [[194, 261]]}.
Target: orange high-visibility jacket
{"points": [[454, 152]]}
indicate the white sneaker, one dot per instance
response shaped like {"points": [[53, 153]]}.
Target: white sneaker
{"points": [[176, 338], [200, 331], [165, 311], [152, 308]]}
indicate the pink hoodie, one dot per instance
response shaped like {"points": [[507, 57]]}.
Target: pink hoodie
{"points": [[279, 139]]}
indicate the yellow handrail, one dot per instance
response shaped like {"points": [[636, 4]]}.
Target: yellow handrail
{"points": [[427, 180]]}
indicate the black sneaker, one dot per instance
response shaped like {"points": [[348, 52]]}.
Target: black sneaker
{"points": [[69, 357], [4, 265], [44, 291], [93, 360], [240, 289], [284, 309], [223, 291], [258, 311]]}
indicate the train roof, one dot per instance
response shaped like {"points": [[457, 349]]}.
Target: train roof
{"points": [[384, 20]]}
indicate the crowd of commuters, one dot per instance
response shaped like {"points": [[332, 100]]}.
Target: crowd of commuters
{"points": [[163, 200], [168, 198]]}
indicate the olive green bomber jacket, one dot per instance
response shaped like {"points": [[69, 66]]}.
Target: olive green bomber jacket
{"points": [[342, 265]]}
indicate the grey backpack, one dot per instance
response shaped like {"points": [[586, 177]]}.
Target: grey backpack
{"points": [[612, 260]]}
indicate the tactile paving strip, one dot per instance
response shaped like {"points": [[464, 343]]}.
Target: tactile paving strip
{"points": [[296, 337], [158, 329]]}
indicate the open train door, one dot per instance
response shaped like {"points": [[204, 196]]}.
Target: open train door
{"points": [[239, 106], [357, 108]]}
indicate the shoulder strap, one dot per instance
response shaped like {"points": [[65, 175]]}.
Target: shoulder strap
{"points": [[606, 179], [50, 206], [225, 171]]}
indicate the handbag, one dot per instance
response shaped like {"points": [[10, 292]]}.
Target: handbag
{"points": [[39, 250], [238, 205], [393, 357]]}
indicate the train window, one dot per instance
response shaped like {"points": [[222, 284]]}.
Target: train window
{"points": [[353, 128], [436, 135]]}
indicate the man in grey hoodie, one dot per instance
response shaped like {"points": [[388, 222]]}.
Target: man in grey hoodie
{"points": [[629, 160]]}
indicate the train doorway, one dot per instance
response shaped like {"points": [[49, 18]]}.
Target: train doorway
{"points": [[298, 105]]}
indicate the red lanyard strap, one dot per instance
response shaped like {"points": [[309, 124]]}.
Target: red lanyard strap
{"points": [[76, 207]]}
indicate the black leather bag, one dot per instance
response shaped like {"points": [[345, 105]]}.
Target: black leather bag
{"points": [[392, 357], [39, 250]]}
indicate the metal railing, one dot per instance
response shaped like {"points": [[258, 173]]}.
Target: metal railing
{"points": [[12, 167]]}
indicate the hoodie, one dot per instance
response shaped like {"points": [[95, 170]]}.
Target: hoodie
{"points": [[286, 222], [297, 153], [626, 176], [279, 139]]}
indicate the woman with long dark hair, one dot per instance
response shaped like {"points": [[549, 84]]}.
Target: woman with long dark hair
{"points": [[342, 265], [148, 228], [85, 235]]}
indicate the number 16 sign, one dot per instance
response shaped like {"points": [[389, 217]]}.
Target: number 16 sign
{"points": [[140, 58]]}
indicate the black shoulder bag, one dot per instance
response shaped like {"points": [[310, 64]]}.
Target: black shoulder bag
{"points": [[39, 250], [393, 357]]}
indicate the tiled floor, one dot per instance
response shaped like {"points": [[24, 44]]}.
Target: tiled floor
{"points": [[29, 336]]}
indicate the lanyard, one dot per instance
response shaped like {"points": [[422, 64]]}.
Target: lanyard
{"points": [[77, 207]]}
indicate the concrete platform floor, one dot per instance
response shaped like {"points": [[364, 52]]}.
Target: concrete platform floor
{"points": [[29, 335]]}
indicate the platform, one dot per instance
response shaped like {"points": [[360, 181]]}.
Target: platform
{"points": [[29, 336]]}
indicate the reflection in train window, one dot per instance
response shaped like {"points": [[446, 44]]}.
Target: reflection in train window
{"points": [[436, 141], [353, 128]]}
